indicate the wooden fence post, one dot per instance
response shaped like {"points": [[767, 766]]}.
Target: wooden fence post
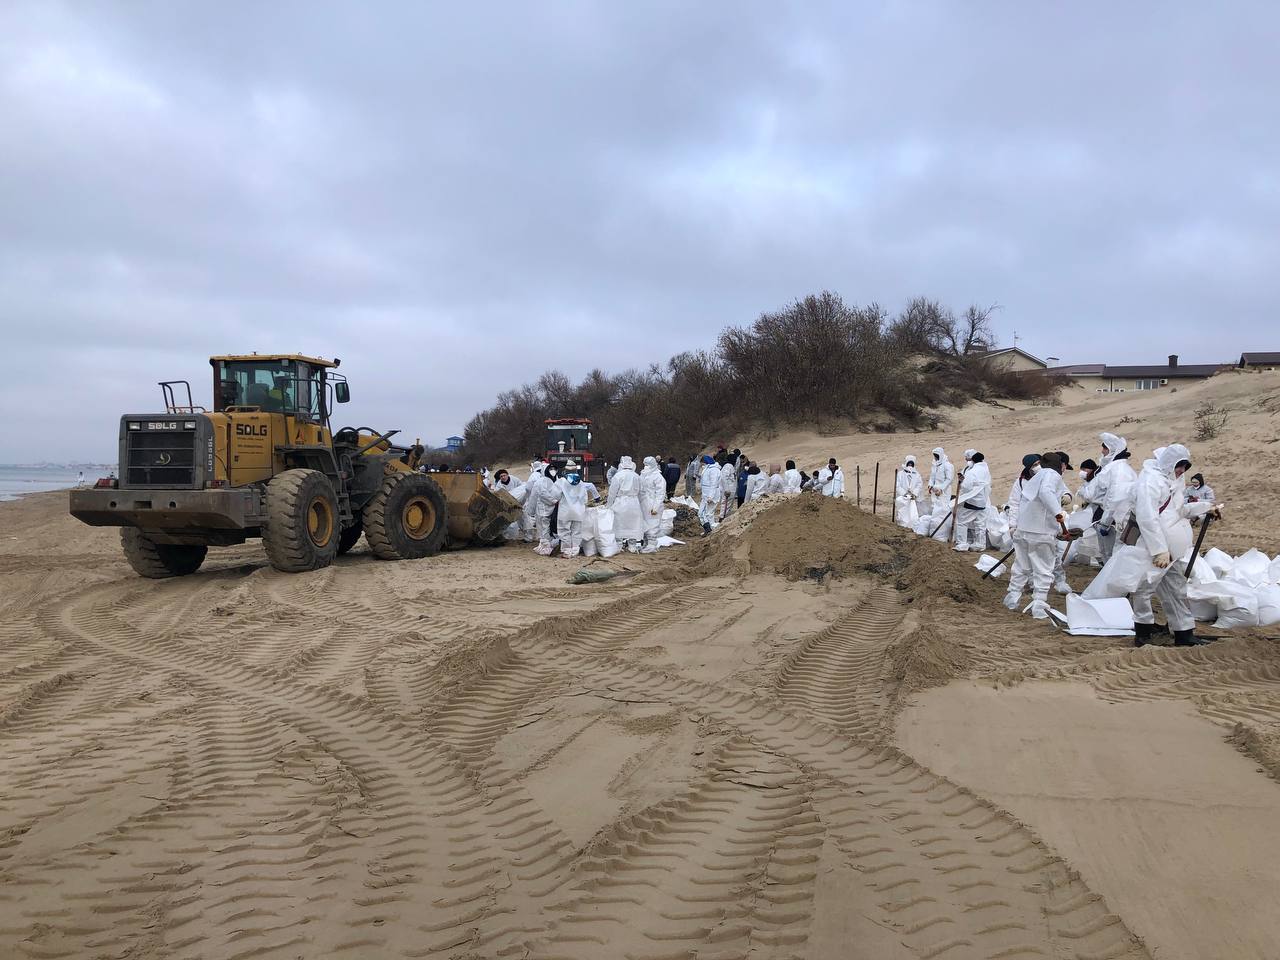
{"points": [[858, 475], [875, 489]]}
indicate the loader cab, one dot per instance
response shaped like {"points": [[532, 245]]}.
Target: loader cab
{"points": [[293, 385]]}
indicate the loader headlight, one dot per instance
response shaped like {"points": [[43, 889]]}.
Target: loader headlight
{"points": [[189, 425], [133, 425]]}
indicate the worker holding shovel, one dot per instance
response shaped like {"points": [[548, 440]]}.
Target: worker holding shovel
{"points": [[1162, 518]]}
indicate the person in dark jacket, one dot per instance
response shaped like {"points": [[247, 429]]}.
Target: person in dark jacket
{"points": [[744, 465], [671, 474]]}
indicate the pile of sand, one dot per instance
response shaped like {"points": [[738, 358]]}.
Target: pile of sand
{"points": [[818, 537]]}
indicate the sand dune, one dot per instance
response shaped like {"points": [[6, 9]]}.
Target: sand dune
{"points": [[722, 757]]}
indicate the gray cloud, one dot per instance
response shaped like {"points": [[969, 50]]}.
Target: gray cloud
{"points": [[454, 200]]}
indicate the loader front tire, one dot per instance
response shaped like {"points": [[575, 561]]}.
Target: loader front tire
{"points": [[302, 528], [407, 519], [158, 561]]}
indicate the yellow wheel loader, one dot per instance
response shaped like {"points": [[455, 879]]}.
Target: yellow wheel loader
{"points": [[263, 463]]}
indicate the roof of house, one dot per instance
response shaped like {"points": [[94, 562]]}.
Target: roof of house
{"points": [[987, 354], [1079, 370], [1260, 358], [1164, 371]]}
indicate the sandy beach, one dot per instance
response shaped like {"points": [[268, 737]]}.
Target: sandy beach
{"points": [[809, 735]]}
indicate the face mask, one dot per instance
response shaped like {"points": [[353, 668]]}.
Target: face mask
{"points": [[574, 479], [1084, 475], [1035, 468]]}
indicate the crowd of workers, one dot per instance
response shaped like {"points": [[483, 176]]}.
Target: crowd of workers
{"points": [[1041, 517], [1039, 520]]}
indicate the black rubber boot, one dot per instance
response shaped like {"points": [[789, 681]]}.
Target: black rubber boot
{"points": [[1159, 629], [1142, 634], [1188, 638], [706, 528]]}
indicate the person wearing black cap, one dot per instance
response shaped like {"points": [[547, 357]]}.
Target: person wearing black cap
{"points": [[1040, 519], [971, 504]]}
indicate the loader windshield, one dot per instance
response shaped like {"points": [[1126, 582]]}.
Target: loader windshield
{"points": [[276, 386]]}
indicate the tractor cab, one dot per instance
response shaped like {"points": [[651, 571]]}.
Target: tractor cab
{"points": [[570, 439], [303, 387]]}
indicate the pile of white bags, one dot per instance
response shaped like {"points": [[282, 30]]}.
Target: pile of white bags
{"points": [[668, 524], [998, 535], [1236, 592]]}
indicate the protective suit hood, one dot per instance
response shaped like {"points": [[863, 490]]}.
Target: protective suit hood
{"points": [[626, 463], [1166, 458], [1114, 445], [940, 454], [968, 454], [650, 463]]}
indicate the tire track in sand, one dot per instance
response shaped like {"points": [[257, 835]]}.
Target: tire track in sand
{"points": [[837, 676], [455, 867], [953, 875], [724, 868]]}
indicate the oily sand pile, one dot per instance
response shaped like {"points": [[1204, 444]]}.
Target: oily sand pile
{"points": [[808, 735], [811, 536]]}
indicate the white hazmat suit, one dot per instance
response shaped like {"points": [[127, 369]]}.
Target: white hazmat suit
{"points": [[909, 492], [941, 477], [624, 500], [831, 479], [971, 505], [573, 512], [546, 494], [1035, 542], [1163, 515], [792, 481], [709, 482], [653, 494]]}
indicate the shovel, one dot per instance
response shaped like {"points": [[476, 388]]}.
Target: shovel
{"points": [[1204, 528]]}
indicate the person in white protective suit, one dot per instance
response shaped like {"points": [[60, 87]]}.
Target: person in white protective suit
{"points": [[573, 509], [709, 484], [792, 482], [624, 500], [691, 473], [941, 478], [653, 494], [1159, 506], [529, 524], [728, 486], [1030, 467], [831, 479], [1040, 520], [910, 489], [1113, 488], [609, 474], [971, 503], [757, 483], [546, 494], [776, 483]]}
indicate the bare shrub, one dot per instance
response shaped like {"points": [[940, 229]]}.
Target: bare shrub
{"points": [[1209, 421]]}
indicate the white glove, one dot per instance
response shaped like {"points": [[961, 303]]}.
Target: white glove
{"points": [[1161, 560]]}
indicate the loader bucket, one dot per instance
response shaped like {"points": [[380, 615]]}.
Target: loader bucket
{"points": [[476, 513]]}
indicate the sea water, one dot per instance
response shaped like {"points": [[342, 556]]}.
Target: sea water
{"points": [[15, 481]]}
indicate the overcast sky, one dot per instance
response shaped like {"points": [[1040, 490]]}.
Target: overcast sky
{"points": [[453, 198]]}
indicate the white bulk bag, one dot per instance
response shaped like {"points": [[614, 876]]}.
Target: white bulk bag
{"points": [[906, 513], [1237, 604], [1120, 576], [986, 562], [998, 529], [1268, 605], [668, 523], [1220, 563], [1107, 617], [1250, 569]]}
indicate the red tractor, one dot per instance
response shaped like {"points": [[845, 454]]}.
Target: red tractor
{"points": [[570, 439]]}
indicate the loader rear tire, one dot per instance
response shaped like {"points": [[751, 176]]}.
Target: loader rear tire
{"points": [[158, 561], [350, 536], [408, 518], [302, 528]]}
